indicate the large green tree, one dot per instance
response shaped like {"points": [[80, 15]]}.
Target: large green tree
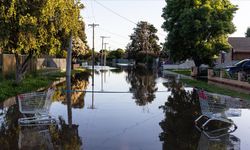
{"points": [[248, 32], [144, 43], [33, 27], [197, 29]]}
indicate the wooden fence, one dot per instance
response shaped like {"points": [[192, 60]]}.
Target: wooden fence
{"points": [[8, 63]]}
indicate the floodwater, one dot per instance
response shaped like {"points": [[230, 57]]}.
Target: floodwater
{"points": [[129, 110]]}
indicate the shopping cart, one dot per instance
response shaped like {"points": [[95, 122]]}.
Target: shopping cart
{"points": [[35, 137], [35, 108], [227, 142], [216, 110]]}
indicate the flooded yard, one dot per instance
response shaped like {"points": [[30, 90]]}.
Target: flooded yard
{"points": [[128, 110]]}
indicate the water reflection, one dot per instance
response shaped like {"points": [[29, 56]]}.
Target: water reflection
{"points": [[143, 85], [79, 82], [178, 131], [9, 133], [180, 111], [60, 136], [227, 142]]}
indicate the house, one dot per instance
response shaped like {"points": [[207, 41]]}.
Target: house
{"points": [[240, 49]]}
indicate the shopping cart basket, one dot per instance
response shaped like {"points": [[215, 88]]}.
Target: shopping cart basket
{"points": [[35, 108], [35, 137], [215, 110]]}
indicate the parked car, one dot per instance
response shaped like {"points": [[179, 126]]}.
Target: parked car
{"points": [[243, 65]]}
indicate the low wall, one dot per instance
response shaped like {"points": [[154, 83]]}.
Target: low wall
{"points": [[234, 83]]}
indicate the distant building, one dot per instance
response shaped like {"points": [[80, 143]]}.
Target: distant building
{"points": [[240, 49]]}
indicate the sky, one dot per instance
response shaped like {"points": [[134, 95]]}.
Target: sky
{"points": [[117, 18]]}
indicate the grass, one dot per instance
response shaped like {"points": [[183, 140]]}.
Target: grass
{"points": [[186, 72], [215, 89], [32, 82]]}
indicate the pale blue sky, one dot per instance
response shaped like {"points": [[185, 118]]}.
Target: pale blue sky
{"points": [[118, 28]]}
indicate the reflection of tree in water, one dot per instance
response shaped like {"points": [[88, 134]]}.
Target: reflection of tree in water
{"points": [[65, 137], [180, 110], [79, 82], [58, 136], [143, 85], [118, 70], [9, 132]]}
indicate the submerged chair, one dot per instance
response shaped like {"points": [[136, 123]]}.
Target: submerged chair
{"points": [[215, 110], [35, 108]]}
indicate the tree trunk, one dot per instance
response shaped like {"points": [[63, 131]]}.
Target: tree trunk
{"points": [[21, 67], [197, 63]]}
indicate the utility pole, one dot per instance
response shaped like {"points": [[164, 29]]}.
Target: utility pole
{"points": [[93, 25], [68, 80], [103, 37], [105, 47]]}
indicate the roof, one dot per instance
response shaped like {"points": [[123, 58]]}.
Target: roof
{"points": [[240, 44]]}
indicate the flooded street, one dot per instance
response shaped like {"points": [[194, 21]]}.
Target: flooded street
{"points": [[130, 110]]}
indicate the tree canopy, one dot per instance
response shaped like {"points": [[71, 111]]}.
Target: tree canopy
{"points": [[144, 42], [248, 32], [116, 54], [197, 29], [37, 26]]}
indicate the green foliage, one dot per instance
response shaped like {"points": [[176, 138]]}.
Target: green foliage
{"points": [[32, 82], [116, 54], [144, 42], [34, 25], [197, 29], [248, 32]]}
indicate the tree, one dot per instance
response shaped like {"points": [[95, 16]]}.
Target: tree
{"points": [[144, 44], [197, 29], [80, 46], [248, 32], [116, 54], [33, 27]]}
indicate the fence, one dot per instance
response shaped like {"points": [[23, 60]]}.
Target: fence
{"points": [[8, 63], [1, 61], [239, 80], [48, 62]]}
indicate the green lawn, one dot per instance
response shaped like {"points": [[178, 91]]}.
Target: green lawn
{"points": [[32, 82], [215, 89], [186, 72]]}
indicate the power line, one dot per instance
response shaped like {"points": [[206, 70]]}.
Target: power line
{"points": [[116, 34], [92, 9], [115, 12], [125, 18]]}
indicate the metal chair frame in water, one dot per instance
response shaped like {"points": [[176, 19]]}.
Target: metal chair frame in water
{"points": [[214, 110], [35, 108]]}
